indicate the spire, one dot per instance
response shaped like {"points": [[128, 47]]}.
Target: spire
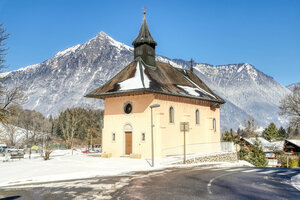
{"points": [[144, 36], [144, 44]]}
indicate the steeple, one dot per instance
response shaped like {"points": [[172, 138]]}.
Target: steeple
{"points": [[144, 44]]}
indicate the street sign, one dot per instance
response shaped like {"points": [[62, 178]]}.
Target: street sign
{"points": [[270, 155], [184, 126]]}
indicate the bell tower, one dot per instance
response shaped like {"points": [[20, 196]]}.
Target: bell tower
{"points": [[144, 44]]}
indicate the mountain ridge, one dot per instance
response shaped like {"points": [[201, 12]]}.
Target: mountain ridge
{"points": [[63, 80]]}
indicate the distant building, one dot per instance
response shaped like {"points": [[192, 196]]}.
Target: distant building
{"points": [[182, 97], [292, 146]]}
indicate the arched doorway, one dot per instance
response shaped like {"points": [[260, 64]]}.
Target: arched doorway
{"points": [[128, 139]]}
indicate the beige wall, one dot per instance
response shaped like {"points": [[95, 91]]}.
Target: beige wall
{"points": [[167, 136]]}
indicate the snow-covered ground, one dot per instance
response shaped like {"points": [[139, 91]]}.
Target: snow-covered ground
{"points": [[296, 181], [65, 166]]}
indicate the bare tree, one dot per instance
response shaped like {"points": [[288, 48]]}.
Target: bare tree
{"points": [[8, 97], [290, 107], [68, 121], [250, 127], [3, 36], [9, 134]]}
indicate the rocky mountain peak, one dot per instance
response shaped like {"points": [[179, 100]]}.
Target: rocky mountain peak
{"points": [[292, 86], [63, 80]]}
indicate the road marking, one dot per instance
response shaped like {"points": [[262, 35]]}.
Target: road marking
{"points": [[251, 170], [233, 170], [286, 173], [217, 169], [212, 180], [268, 172]]}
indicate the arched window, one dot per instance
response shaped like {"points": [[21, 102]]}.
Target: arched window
{"points": [[214, 125], [113, 137], [197, 117], [143, 137], [171, 115]]}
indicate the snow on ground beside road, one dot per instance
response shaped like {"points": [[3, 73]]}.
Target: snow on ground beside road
{"points": [[296, 181], [65, 166]]}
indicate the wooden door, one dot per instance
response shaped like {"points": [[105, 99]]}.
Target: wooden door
{"points": [[128, 143]]}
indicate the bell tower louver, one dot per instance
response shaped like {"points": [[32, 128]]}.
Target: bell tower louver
{"points": [[144, 45]]}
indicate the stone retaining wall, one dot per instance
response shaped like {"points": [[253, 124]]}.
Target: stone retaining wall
{"points": [[222, 157]]}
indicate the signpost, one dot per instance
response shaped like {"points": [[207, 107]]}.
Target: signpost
{"points": [[184, 127]]}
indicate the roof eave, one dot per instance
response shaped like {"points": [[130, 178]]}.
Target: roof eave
{"points": [[102, 95]]}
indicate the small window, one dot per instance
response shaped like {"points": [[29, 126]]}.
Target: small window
{"points": [[143, 137], [171, 115], [214, 125], [127, 107], [197, 117], [113, 137]]}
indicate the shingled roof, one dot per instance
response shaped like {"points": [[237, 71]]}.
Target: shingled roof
{"points": [[164, 78], [144, 74]]}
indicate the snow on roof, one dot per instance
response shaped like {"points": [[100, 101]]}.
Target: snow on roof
{"points": [[163, 78], [198, 89], [266, 145], [262, 140], [275, 146], [295, 142], [139, 80]]}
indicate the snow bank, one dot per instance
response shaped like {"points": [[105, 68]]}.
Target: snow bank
{"points": [[65, 166], [296, 181]]}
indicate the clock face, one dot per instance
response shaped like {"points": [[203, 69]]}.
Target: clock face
{"points": [[128, 108]]}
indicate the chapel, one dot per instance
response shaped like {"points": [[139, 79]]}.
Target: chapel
{"points": [[149, 92]]}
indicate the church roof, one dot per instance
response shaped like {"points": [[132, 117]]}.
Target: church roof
{"points": [[164, 78], [144, 35]]}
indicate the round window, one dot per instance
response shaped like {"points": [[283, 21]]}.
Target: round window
{"points": [[128, 108]]}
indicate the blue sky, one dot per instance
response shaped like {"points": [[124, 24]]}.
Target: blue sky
{"points": [[265, 33]]}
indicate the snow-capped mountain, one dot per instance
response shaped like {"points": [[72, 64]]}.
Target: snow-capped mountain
{"points": [[63, 80], [292, 86]]}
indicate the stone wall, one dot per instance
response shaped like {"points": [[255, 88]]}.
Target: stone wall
{"points": [[221, 157]]}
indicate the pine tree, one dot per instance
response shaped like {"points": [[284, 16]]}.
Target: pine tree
{"points": [[257, 156], [282, 133], [271, 132], [226, 137]]}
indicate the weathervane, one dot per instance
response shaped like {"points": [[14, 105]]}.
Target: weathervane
{"points": [[144, 10]]}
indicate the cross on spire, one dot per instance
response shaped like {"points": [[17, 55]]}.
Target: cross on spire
{"points": [[144, 10]]}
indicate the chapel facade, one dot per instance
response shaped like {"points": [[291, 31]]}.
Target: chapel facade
{"points": [[181, 96]]}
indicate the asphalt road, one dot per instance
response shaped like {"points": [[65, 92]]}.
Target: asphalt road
{"points": [[179, 183], [221, 183]]}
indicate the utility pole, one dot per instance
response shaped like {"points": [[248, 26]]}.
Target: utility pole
{"points": [[152, 125], [184, 147]]}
